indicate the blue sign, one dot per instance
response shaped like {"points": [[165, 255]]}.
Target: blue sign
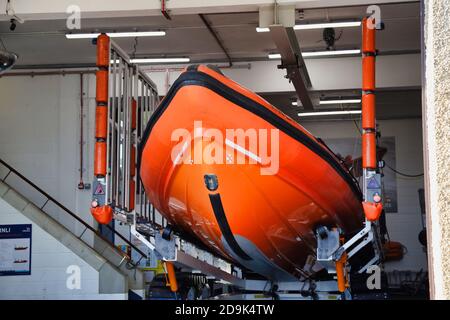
{"points": [[15, 249]]}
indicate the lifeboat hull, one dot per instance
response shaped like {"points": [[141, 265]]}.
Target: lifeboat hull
{"points": [[246, 208]]}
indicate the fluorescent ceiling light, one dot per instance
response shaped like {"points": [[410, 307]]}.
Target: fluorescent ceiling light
{"points": [[258, 29], [327, 25], [330, 53], [117, 34], [347, 101], [155, 60], [274, 56], [160, 60], [137, 34], [328, 113], [320, 53], [345, 24], [82, 35]]}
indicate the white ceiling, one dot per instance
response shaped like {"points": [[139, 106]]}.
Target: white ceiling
{"points": [[43, 42]]}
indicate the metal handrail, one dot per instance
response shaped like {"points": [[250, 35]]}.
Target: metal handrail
{"points": [[73, 215]]}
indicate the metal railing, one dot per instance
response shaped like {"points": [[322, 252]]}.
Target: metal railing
{"points": [[132, 99], [48, 198]]}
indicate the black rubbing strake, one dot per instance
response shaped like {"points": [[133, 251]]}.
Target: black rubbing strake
{"points": [[219, 212]]}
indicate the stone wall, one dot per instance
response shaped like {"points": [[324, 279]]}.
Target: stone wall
{"points": [[436, 117]]}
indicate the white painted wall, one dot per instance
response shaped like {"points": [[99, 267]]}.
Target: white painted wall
{"points": [[49, 262], [405, 225], [39, 136], [39, 133]]}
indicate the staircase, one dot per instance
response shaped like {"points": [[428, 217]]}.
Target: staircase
{"points": [[117, 273]]}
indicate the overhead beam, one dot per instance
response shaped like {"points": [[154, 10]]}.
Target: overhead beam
{"points": [[216, 37], [51, 9], [280, 19], [292, 60]]}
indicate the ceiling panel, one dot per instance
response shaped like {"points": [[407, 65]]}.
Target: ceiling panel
{"points": [[43, 42]]}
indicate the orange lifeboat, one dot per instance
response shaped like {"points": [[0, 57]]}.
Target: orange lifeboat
{"points": [[256, 206]]}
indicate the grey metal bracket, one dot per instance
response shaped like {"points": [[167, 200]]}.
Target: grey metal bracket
{"points": [[165, 248], [367, 229], [329, 249], [292, 60]]}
